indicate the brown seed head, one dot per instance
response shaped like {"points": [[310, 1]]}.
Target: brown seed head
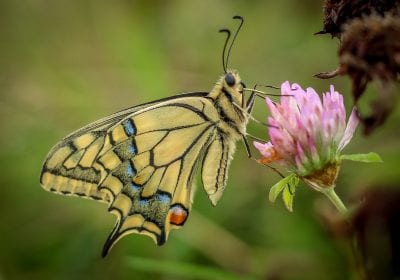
{"points": [[337, 13]]}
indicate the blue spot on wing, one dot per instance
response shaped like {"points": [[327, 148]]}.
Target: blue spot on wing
{"points": [[163, 198], [129, 127], [135, 187], [143, 202], [130, 171], [132, 148]]}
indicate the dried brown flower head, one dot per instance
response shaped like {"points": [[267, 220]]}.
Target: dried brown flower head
{"points": [[337, 13], [370, 51]]}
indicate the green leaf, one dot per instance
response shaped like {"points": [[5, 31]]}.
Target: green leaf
{"points": [[294, 182], [278, 187], [287, 197], [289, 192], [370, 157]]}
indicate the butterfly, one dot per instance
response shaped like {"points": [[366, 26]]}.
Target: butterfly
{"points": [[142, 160]]}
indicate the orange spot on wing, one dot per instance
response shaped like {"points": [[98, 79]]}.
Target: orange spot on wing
{"points": [[178, 215]]}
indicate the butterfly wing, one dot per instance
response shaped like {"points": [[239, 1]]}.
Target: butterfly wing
{"points": [[143, 164], [70, 168], [215, 166], [151, 187]]}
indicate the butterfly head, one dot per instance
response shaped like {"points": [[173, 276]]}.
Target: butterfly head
{"points": [[231, 86], [231, 79]]}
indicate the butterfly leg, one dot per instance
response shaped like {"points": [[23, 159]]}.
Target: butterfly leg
{"points": [[246, 143], [250, 101], [247, 147], [256, 93], [250, 156], [249, 109], [250, 105]]}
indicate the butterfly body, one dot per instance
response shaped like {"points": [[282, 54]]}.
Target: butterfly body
{"points": [[142, 160]]}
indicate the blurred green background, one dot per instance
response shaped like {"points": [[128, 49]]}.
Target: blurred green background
{"points": [[66, 63]]}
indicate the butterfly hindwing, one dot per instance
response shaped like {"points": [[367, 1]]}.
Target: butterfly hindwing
{"points": [[215, 167]]}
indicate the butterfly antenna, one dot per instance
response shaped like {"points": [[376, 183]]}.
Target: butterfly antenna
{"points": [[234, 37], [263, 94], [267, 86], [274, 169], [227, 31]]}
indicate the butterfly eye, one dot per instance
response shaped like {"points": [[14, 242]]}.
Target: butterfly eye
{"points": [[230, 79]]}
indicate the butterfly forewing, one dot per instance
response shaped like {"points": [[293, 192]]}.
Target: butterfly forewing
{"points": [[63, 173], [69, 168]]}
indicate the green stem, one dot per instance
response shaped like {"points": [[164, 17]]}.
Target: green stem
{"points": [[356, 258], [335, 199]]}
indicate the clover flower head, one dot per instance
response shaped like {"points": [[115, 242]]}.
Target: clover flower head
{"points": [[308, 133]]}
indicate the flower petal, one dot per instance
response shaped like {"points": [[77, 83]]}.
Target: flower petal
{"points": [[263, 148], [350, 129]]}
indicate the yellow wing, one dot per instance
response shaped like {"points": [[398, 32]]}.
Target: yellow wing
{"points": [[70, 168], [142, 163]]}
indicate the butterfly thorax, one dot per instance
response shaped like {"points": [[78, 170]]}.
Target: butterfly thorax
{"points": [[228, 99]]}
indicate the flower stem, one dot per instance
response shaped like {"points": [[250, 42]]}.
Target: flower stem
{"points": [[335, 199]]}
